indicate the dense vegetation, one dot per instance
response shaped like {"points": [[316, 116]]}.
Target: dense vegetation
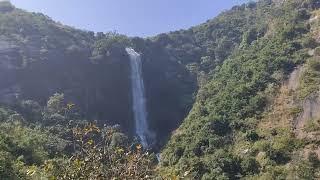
{"points": [[187, 59], [58, 145], [219, 139], [63, 91], [42, 57]]}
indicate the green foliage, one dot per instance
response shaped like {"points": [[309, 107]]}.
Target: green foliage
{"points": [[182, 61], [58, 112], [250, 166], [56, 103], [305, 171], [317, 51], [31, 110], [310, 80], [209, 44], [302, 169], [108, 43], [236, 93], [252, 135], [313, 159], [119, 140], [54, 146], [101, 159], [24, 147], [295, 111], [6, 168], [236, 59], [309, 42], [312, 125]]}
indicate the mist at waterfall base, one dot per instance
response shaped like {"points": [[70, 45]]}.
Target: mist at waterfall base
{"points": [[139, 100]]}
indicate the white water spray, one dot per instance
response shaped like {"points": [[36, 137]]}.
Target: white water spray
{"points": [[139, 100]]}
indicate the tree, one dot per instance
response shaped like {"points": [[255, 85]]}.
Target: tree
{"points": [[56, 103], [250, 166]]}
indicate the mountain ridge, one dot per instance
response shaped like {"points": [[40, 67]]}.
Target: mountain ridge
{"points": [[220, 87]]}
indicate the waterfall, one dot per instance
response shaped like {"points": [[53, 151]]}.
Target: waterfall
{"points": [[139, 100]]}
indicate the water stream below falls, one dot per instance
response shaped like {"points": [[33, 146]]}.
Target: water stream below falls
{"points": [[139, 99]]}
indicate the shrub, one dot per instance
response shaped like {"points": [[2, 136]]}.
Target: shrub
{"points": [[314, 65], [317, 51], [252, 135], [220, 127], [55, 103], [119, 140], [305, 170], [6, 170], [98, 157], [31, 110], [250, 166], [313, 159], [312, 125], [309, 42]]}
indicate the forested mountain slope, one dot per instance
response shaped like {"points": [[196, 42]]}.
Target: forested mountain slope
{"points": [[40, 57], [240, 91], [181, 61], [223, 136]]}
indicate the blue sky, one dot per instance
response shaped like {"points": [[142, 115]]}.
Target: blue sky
{"points": [[130, 17]]}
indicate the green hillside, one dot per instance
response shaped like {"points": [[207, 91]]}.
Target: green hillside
{"points": [[236, 97], [220, 139]]}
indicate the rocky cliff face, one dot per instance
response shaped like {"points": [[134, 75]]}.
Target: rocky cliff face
{"points": [[40, 57], [101, 90], [9, 64]]}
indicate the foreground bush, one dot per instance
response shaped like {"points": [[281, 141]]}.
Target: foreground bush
{"points": [[97, 157]]}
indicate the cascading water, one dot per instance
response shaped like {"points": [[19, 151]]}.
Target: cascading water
{"points": [[139, 100]]}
